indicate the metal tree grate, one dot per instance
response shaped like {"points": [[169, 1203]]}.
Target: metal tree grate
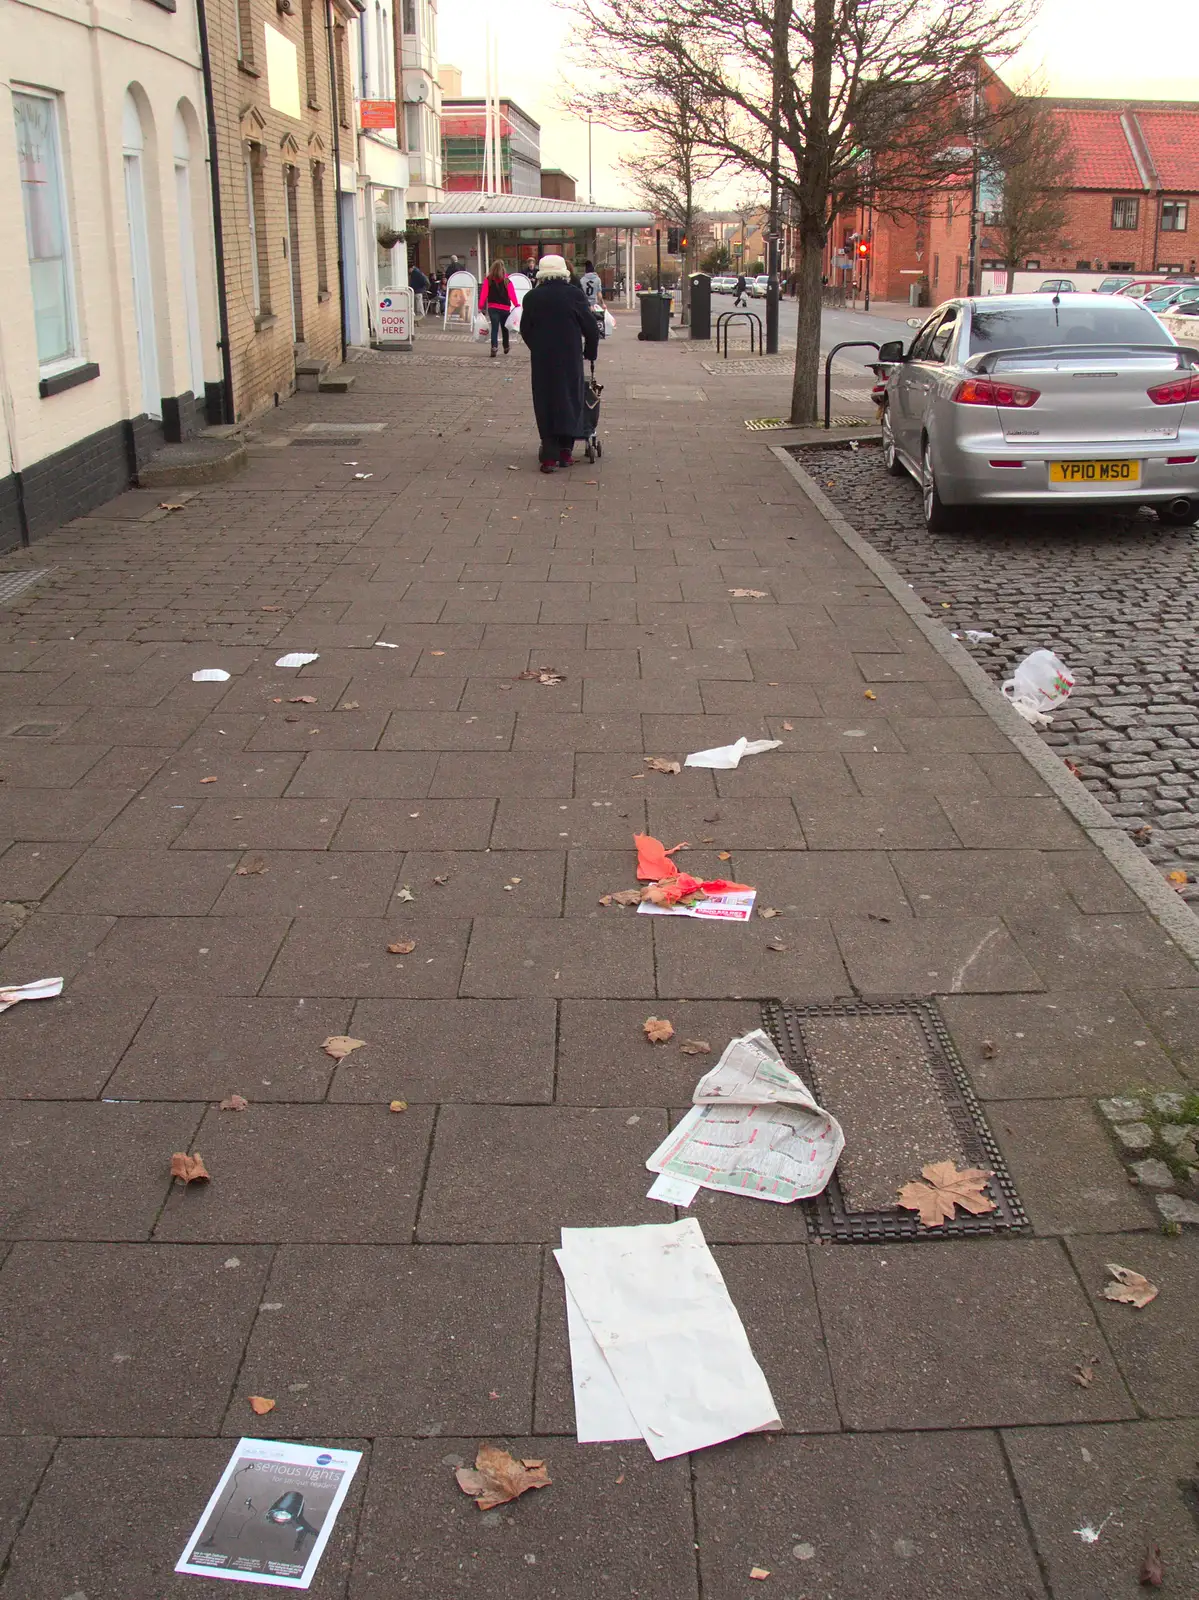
{"points": [[830, 1214], [14, 583]]}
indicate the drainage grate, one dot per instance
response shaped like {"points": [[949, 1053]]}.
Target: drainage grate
{"points": [[759, 424], [329, 441], [14, 583], [889, 1072]]}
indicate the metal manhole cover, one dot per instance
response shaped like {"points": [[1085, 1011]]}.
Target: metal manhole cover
{"points": [[889, 1073], [14, 583]]}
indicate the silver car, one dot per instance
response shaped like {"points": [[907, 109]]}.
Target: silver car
{"points": [[1046, 401]]}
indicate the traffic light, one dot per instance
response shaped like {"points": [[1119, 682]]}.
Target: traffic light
{"points": [[682, 243], [672, 241], [863, 249]]}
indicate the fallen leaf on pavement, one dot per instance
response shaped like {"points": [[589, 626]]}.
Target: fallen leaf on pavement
{"points": [[170, 505], [869, 694], [989, 1049], [1177, 878], [749, 594], [252, 869], [189, 1169], [234, 1102], [776, 944], [1130, 1288], [1143, 833], [788, 727], [768, 911], [406, 893], [696, 1047], [270, 608], [1084, 1373], [348, 705], [621, 897], [302, 700], [398, 1105], [1074, 769], [658, 1030], [543, 675], [498, 1477], [659, 764], [441, 879], [260, 1405], [945, 1187], [207, 780], [340, 1045], [759, 1572], [404, 949], [724, 855], [1153, 1574]]}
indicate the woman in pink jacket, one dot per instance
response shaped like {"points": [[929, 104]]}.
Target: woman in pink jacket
{"points": [[497, 297]]}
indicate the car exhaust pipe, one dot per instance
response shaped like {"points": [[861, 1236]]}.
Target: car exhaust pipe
{"points": [[1180, 507]]}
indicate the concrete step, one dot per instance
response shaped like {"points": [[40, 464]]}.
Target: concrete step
{"points": [[309, 373], [340, 382], [202, 459]]}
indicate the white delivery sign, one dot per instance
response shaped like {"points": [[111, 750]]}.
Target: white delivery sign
{"points": [[395, 317]]}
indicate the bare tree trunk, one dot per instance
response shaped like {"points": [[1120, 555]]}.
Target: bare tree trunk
{"points": [[807, 338]]}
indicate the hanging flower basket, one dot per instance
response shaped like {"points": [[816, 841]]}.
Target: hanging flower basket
{"points": [[390, 237]]}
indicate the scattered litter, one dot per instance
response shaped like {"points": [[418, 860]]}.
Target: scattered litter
{"points": [[234, 1102], [260, 1405], [1129, 1288], [695, 1047], [621, 897], [252, 869], [270, 608], [988, 1049], [672, 1191], [406, 893], [718, 899], [653, 858], [657, 1030], [40, 989], [297, 658], [398, 1105], [1178, 878], [657, 1348], [364, 474], [498, 1477], [382, 644], [1040, 681], [764, 1572], [1084, 1372], [210, 675], [1153, 1573], [776, 944], [658, 764], [869, 694], [1089, 1534], [978, 636], [340, 1045], [170, 505], [753, 1129], [405, 948], [944, 1189], [302, 700], [768, 912], [189, 1169], [750, 594], [727, 756], [208, 780], [271, 1514], [543, 675]]}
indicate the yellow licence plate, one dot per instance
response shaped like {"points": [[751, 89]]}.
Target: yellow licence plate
{"points": [[1094, 472]]}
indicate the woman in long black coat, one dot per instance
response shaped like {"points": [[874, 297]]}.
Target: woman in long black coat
{"points": [[560, 330]]}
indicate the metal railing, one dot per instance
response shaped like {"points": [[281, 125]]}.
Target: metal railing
{"points": [[727, 318], [846, 344]]}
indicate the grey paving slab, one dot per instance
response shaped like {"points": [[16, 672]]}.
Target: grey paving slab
{"points": [[1173, 1016], [778, 772], [556, 730], [22, 1463], [740, 824], [605, 1059], [904, 1324], [1092, 882], [365, 1162], [425, 825], [217, 772], [927, 1516], [979, 883], [74, 1170], [40, 764], [144, 883], [817, 883], [1070, 1478], [112, 1516], [1068, 1042], [419, 1531], [146, 1337], [127, 767], [873, 823], [628, 776], [934, 955], [1066, 1170], [189, 955], [1074, 952], [59, 814], [1154, 1345], [731, 961], [67, 1051], [969, 734], [727, 1219], [364, 774], [437, 1330], [1008, 822], [149, 822], [592, 1161], [310, 883], [207, 1048], [541, 824], [567, 958], [53, 946], [464, 775], [262, 825], [350, 957], [296, 730], [495, 883], [477, 1051], [29, 871]]}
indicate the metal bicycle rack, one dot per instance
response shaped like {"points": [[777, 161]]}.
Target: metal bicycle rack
{"points": [[727, 318], [846, 344]]}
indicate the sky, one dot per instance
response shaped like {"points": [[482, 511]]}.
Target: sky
{"points": [[1082, 47]]}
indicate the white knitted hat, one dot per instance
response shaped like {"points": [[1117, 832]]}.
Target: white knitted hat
{"points": [[552, 267]]}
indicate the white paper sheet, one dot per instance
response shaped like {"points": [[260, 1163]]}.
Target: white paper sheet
{"points": [[754, 1129], [725, 757], [40, 989], [672, 1191], [297, 658], [601, 1413], [210, 675], [735, 905], [656, 1306]]}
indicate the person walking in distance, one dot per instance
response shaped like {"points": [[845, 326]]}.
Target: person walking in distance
{"points": [[560, 330], [740, 298], [498, 299], [592, 286]]}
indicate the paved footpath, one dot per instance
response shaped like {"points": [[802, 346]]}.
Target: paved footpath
{"points": [[218, 870]]}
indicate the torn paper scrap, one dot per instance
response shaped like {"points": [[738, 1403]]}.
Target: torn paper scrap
{"points": [[270, 1516], [382, 644], [754, 1129], [601, 1412], [40, 989], [654, 1303], [732, 906], [674, 1191], [297, 658], [727, 756], [210, 675]]}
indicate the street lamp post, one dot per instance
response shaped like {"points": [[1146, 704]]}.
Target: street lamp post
{"points": [[782, 12]]}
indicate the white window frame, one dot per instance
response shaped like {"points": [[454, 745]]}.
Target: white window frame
{"points": [[74, 356], [1180, 210], [255, 282]]}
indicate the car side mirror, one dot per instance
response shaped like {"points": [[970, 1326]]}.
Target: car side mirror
{"points": [[891, 351]]}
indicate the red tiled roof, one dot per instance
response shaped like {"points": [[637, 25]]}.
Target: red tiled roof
{"points": [[1102, 159], [1173, 140]]}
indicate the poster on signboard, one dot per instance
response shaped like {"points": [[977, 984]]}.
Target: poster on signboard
{"points": [[522, 284], [461, 297], [396, 308]]}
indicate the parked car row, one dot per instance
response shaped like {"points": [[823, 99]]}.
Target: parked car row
{"points": [[1046, 401]]}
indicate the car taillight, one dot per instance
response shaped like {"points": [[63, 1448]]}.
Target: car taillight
{"points": [[1175, 393], [986, 392]]}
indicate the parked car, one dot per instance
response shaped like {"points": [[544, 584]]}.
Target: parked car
{"points": [[1057, 286], [1045, 401], [723, 285], [1113, 285], [758, 286], [1138, 288], [1166, 295]]}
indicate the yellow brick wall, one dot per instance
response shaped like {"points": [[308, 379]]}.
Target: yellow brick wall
{"points": [[262, 350]]}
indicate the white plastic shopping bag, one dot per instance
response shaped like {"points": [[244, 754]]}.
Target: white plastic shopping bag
{"points": [[514, 320], [1041, 681], [609, 322], [482, 326]]}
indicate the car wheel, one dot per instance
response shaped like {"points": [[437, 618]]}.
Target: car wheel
{"points": [[890, 455], [1176, 518], [938, 517]]}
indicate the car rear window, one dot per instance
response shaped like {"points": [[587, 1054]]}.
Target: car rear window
{"points": [[1105, 322]]}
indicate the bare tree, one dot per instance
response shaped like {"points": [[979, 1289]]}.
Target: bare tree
{"points": [[855, 94], [1028, 155]]}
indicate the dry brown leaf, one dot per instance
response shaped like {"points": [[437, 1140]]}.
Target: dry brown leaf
{"points": [[405, 893], [1129, 1288], [724, 855], [442, 879], [621, 897], [989, 1049], [788, 727], [869, 694], [234, 1102], [252, 868], [348, 705], [768, 912], [543, 675], [498, 1477], [404, 949], [776, 944], [659, 764], [398, 1105], [1153, 1573], [749, 594], [302, 700], [170, 505], [696, 1047], [260, 1405], [339, 1045], [270, 608], [659, 895], [189, 1169], [1178, 878], [657, 1030], [759, 1572], [944, 1188], [207, 780], [437, 652], [1084, 1373]]}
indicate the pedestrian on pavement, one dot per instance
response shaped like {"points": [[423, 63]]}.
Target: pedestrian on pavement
{"points": [[739, 296], [560, 330], [419, 285], [498, 299], [592, 286]]}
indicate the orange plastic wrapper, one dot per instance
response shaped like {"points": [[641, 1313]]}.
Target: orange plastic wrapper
{"points": [[669, 891], [653, 858]]}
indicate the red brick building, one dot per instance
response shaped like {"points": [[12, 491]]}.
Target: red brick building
{"points": [[1133, 207]]}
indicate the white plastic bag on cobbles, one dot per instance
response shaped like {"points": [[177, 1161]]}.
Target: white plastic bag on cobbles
{"points": [[1041, 681]]}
